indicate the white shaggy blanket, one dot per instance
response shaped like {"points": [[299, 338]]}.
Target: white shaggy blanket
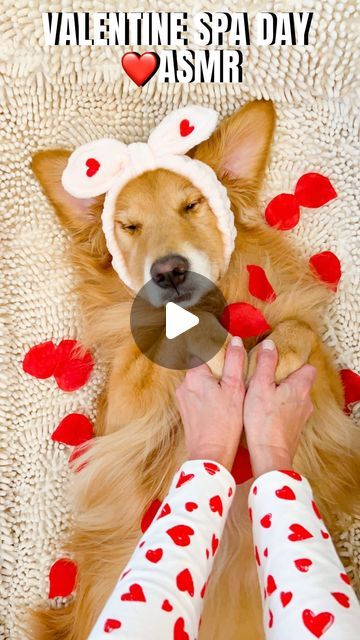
{"points": [[65, 96]]}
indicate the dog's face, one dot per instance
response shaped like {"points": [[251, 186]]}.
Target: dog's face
{"points": [[164, 226], [166, 230]]}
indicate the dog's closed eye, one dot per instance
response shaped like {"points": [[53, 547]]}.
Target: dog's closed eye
{"points": [[129, 227], [191, 206]]}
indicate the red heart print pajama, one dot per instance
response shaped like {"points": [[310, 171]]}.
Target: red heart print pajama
{"points": [[304, 585]]}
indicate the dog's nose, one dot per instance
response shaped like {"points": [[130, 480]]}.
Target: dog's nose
{"points": [[169, 271]]}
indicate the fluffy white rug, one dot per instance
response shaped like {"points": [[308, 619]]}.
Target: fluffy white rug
{"points": [[64, 96]]}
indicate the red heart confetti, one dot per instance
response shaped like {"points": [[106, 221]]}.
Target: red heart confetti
{"points": [[111, 624], [326, 266], [186, 128], [285, 493], [303, 564], [150, 514], [73, 430], [184, 582], [259, 285], [140, 68], [179, 630], [154, 555], [167, 606], [270, 585], [216, 505], [317, 624], [341, 598], [283, 212], [74, 366], [285, 597], [211, 468], [244, 320], [184, 478], [41, 360], [314, 190], [241, 469], [266, 521], [180, 534], [93, 167], [299, 533], [135, 594], [62, 577], [351, 383], [191, 506]]}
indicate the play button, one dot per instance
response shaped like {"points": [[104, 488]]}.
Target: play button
{"points": [[178, 320], [171, 324]]}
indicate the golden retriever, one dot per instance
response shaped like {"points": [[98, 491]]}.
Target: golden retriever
{"points": [[161, 213]]}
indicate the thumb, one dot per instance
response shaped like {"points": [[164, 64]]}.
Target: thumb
{"points": [[302, 379]]}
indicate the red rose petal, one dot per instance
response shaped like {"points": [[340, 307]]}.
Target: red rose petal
{"points": [[41, 360], [326, 266], [351, 383], [73, 369], [150, 514], [259, 285], [313, 190], [283, 212], [62, 578], [241, 469], [244, 320], [73, 430]]}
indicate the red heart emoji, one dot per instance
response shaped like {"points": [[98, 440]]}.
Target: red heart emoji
{"points": [[211, 468], [285, 597], [93, 165], [111, 624], [186, 128], [299, 533], [149, 514], [303, 564], [164, 511], [180, 534], [266, 521], [259, 285], [74, 365], [216, 505], [140, 68], [191, 506], [257, 557], [135, 594], [166, 606], [214, 544], [292, 474], [270, 585], [317, 624], [185, 582], [184, 478], [342, 598], [179, 630], [154, 555], [345, 578], [73, 430], [285, 493], [41, 360], [62, 578]]}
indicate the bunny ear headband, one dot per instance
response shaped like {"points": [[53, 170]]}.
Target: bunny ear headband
{"points": [[106, 165]]}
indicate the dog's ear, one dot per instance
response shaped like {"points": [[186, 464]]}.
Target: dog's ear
{"points": [[75, 214], [239, 147]]}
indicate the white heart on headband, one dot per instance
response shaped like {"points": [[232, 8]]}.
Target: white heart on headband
{"points": [[106, 165]]}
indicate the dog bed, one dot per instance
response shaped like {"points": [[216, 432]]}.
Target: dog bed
{"points": [[65, 96]]}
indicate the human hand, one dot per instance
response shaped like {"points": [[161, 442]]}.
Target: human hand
{"points": [[275, 415], [212, 410]]}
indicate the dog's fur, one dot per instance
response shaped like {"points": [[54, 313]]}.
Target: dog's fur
{"points": [[142, 439]]}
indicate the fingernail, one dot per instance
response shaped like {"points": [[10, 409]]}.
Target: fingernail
{"points": [[236, 341], [269, 345]]}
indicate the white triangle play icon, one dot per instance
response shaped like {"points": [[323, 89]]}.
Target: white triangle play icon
{"points": [[178, 320]]}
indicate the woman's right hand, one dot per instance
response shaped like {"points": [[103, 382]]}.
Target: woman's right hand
{"points": [[275, 415]]}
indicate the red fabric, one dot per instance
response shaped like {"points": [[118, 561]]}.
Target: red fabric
{"points": [[351, 384], [326, 265], [73, 430], [259, 285], [72, 370], [62, 577], [41, 360], [283, 212], [150, 514], [244, 320], [241, 469], [313, 190]]}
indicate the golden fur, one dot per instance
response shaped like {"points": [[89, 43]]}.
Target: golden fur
{"points": [[142, 439]]}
